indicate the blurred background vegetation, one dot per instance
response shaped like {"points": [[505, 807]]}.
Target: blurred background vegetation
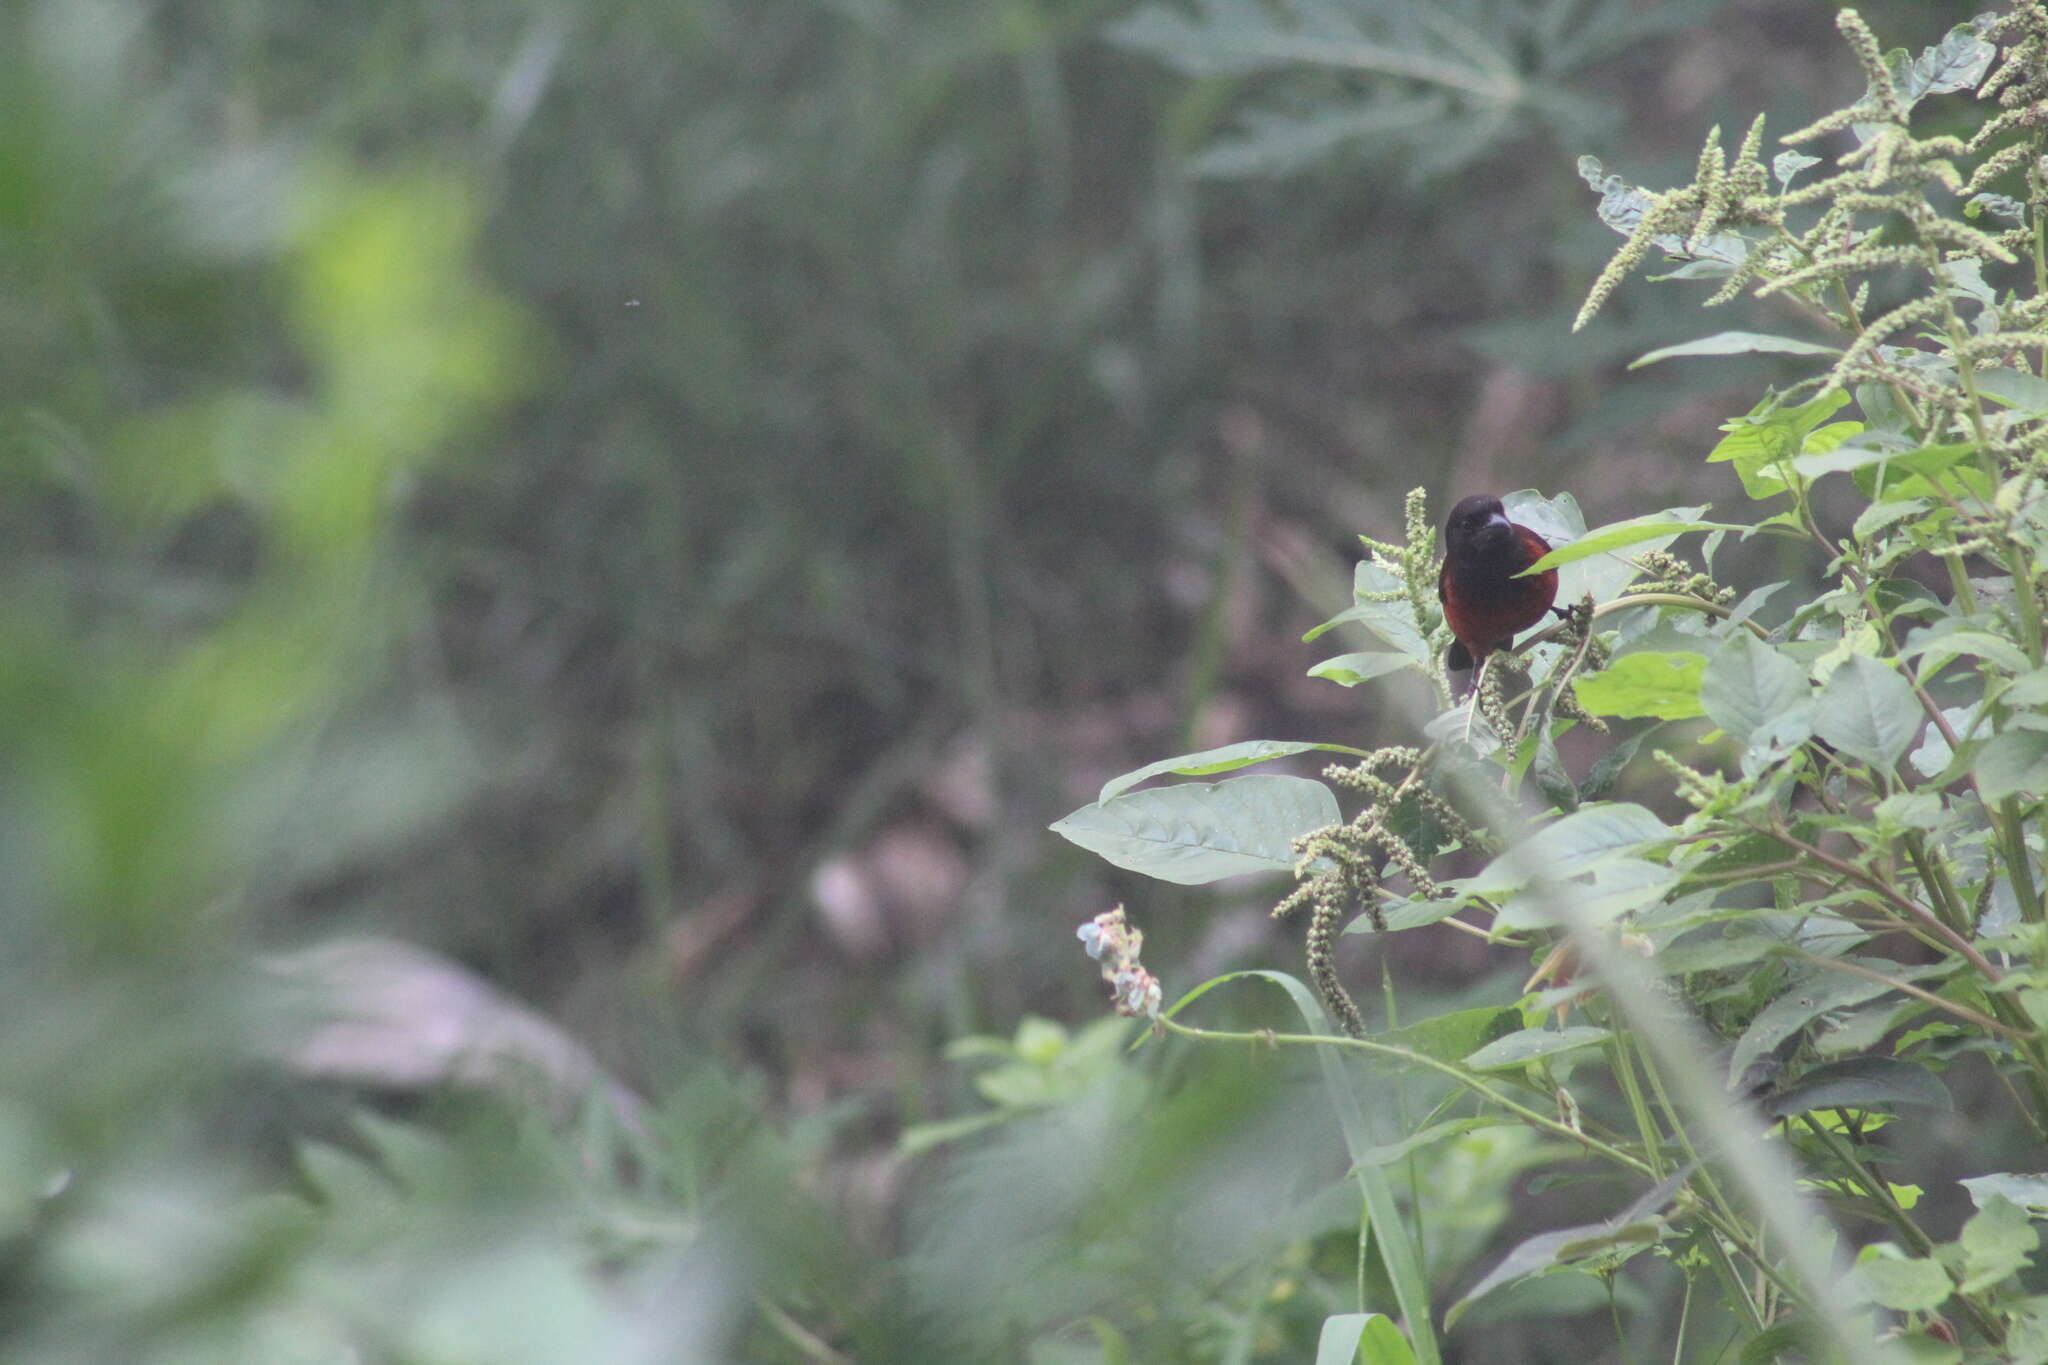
{"points": [[559, 559]]}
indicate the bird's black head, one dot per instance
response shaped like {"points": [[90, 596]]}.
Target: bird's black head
{"points": [[1478, 522]]}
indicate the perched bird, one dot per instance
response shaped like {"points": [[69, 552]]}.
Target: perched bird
{"points": [[1484, 603]]}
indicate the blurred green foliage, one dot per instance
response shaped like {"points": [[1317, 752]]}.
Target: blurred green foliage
{"points": [[520, 478]]}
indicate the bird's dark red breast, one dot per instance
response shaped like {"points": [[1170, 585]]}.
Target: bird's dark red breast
{"points": [[1485, 605]]}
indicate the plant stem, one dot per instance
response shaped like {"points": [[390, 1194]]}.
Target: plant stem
{"points": [[1463, 1077]]}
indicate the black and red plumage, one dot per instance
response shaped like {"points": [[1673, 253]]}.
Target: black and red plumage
{"points": [[1485, 604]]}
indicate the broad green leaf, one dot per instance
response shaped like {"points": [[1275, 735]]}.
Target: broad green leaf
{"points": [[1519, 1049], [1957, 62], [1607, 769], [1456, 1034], [1601, 574], [1934, 754], [2029, 1191], [1606, 1242], [1619, 886], [1221, 760], [1353, 669], [1436, 1132], [1787, 165], [1735, 343], [1616, 535], [1581, 841], [1362, 1339], [1664, 686], [2013, 763], [2015, 388], [1952, 636], [1911, 810], [1392, 622], [1997, 1242], [1781, 1342], [1767, 437], [1552, 779], [1860, 1083], [1811, 994], [1867, 711], [1748, 684], [1905, 1284], [1200, 832], [1927, 472]]}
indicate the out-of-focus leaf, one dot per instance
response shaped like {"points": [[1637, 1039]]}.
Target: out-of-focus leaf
{"points": [[1589, 836], [1860, 1083], [1811, 995], [1362, 1339], [1349, 670], [1608, 1241], [1905, 1284], [2029, 1191], [1998, 1241], [1735, 343], [1519, 1049]]}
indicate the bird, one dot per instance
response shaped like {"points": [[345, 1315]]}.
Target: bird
{"points": [[1485, 604]]}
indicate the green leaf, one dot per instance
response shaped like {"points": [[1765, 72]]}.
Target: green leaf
{"points": [[1436, 1132], [2029, 1191], [1280, 142], [1558, 520], [1240, 755], [1581, 841], [1920, 474], [1636, 1227], [1867, 711], [1115, 1346], [1547, 767], [1390, 1237], [1619, 887], [2015, 388], [1615, 535], [1769, 436], [2011, 763], [1200, 832], [1665, 686], [1905, 1284], [1860, 1083], [1610, 765], [1353, 669], [1787, 165], [1997, 1242], [1393, 622], [1519, 1049], [1455, 1034], [1735, 343], [1364, 1338], [1957, 62], [1952, 636], [922, 1137], [1748, 685], [1812, 994], [1774, 1345]]}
